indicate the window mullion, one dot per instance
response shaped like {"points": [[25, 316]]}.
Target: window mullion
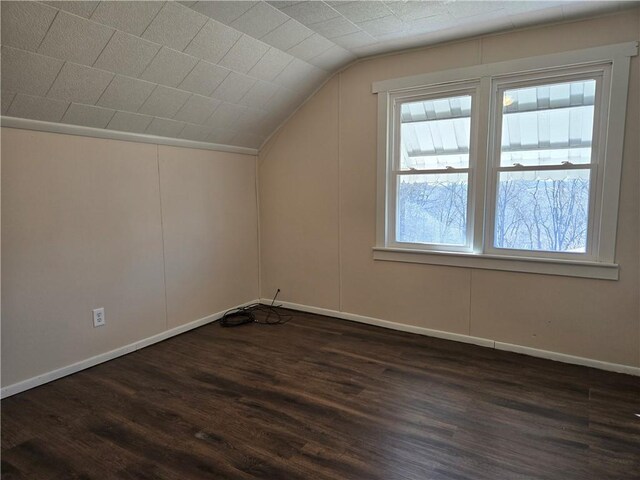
{"points": [[478, 164]]}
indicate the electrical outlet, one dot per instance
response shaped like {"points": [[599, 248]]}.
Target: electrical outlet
{"points": [[98, 317]]}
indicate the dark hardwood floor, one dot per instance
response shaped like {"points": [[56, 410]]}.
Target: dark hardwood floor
{"points": [[320, 398]]}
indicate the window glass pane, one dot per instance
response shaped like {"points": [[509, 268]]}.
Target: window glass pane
{"points": [[432, 209], [545, 211], [435, 133], [548, 124]]}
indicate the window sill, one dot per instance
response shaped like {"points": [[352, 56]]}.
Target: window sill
{"points": [[567, 268]]}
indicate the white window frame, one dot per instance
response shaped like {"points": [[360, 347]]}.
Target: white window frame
{"points": [[611, 65], [399, 98]]}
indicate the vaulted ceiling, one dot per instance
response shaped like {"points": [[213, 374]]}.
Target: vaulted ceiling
{"points": [[223, 72]]}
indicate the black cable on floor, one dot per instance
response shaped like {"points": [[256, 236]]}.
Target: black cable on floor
{"points": [[243, 315]]}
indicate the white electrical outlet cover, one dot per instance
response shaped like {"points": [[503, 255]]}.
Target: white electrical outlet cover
{"points": [[98, 317]]}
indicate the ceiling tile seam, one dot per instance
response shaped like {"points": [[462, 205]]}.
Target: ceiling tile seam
{"points": [[48, 28], [94, 9], [308, 27], [194, 37], [177, 135], [55, 78], [13, 99], [173, 49], [107, 87], [348, 20], [265, 43], [150, 62], [115, 74], [103, 49], [375, 40], [138, 112], [164, 4], [65, 112], [247, 93], [206, 122], [228, 51], [267, 33], [185, 77], [360, 29], [151, 94], [110, 118]]}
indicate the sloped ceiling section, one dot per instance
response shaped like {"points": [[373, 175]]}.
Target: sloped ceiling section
{"points": [[221, 72]]}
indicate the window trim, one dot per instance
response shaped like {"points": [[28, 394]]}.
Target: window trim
{"points": [[472, 89], [489, 76], [599, 72]]}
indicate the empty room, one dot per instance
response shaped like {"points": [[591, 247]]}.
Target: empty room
{"points": [[325, 240]]}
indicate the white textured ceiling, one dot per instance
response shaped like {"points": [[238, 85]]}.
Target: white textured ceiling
{"points": [[224, 72]]}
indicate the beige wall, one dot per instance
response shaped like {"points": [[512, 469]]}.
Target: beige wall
{"points": [[92, 223], [317, 184]]}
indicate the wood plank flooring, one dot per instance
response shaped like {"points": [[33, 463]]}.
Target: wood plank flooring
{"points": [[321, 398]]}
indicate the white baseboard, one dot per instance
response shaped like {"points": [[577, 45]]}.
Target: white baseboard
{"points": [[484, 342], [105, 357]]}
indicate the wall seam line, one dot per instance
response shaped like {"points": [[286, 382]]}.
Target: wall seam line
{"points": [[257, 191], [470, 297], [338, 126], [164, 257]]}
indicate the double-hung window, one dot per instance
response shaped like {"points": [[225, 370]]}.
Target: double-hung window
{"points": [[510, 166], [430, 175]]}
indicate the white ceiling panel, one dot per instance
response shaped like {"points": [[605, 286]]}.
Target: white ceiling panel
{"points": [[198, 133], [169, 67], [225, 71], [335, 27], [26, 72], [222, 136], [163, 127], [287, 35], [125, 93], [75, 39], [213, 42], [24, 24], [409, 11], [127, 54], [80, 84], [333, 59], [225, 115], [174, 26], [299, 75], [259, 20], [164, 102], [363, 11], [309, 13], [82, 8], [225, 12], [354, 40], [249, 140], [88, 115], [37, 108], [130, 17], [204, 78], [7, 98], [311, 47], [259, 94], [197, 109], [271, 64], [129, 122], [244, 54], [234, 87], [382, 26]]}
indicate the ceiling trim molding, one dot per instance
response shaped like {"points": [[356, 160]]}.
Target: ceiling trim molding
{"points": [[67, 129]]}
